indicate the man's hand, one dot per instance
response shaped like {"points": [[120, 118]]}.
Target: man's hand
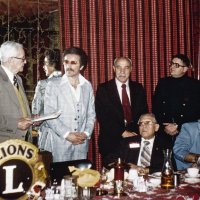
{"points": [[38, 123], [24, 124], [128, 134], [171, 128], [140, 170], [76, 138]]}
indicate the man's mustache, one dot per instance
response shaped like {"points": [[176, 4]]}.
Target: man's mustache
{"points": [[69, 69]]}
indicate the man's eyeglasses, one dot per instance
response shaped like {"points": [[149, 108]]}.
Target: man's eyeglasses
{"points": [[23, 59], [147, 123], [72, 62], [176, 65]]}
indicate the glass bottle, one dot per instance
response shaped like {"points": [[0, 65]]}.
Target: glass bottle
{"points": [[118, 177], [119, 170], [167, 176]]}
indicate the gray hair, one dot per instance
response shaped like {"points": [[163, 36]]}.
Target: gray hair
{"points": [[126, 58], [150, 115], [9, 49]]}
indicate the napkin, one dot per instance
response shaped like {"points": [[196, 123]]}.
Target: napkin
{"points": [[110, 175], [86, 177]]}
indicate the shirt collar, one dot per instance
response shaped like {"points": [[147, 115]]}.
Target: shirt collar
{"points": [[55, 73], [82, 80], [150, 140], [119, 84]]}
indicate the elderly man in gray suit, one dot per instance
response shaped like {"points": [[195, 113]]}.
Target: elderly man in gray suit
{"points": [[14, 109], [73, 95]]}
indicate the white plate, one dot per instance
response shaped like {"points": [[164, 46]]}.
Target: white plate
{"points": [[155, 181], [188, 176], [192, 180], [156, 174]]}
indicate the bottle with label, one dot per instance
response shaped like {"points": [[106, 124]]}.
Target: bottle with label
{"points": [[167, 176], [118, 177]]}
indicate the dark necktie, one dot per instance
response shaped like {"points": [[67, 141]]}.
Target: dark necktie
{"points": [[126, 105], [15, 82], [145, 155]]}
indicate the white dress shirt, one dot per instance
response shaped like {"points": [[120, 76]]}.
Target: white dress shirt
{"points": [[119, 88]]}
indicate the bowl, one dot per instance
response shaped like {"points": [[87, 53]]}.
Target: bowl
{"points": [[192, 172]]}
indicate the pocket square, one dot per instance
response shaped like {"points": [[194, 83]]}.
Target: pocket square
{"points": [[134, 145]]}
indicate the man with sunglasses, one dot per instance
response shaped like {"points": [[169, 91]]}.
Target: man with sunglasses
{"points": [[177, 98], [73, 95], [14, 108]]}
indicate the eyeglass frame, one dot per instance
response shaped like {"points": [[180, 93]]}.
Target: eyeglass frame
{"points": [[147, 123], [23, 59], [67, 62], [175, 64]]}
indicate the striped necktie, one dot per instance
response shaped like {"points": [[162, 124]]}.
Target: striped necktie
{"points": [[145, 155]]}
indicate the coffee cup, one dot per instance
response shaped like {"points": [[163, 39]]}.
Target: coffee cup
{"points": [[192, 171]]}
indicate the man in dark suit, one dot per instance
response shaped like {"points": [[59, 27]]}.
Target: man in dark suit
{"points": [[114, 125], [132, 148]]}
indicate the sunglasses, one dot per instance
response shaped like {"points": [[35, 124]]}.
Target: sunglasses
{"points": [[67, 62]]}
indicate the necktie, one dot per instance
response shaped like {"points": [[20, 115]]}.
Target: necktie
{"points": [[126, 105], [15, 82], [145, 155]]}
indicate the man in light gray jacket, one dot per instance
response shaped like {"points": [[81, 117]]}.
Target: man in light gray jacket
{"points": [[187, 146], [73, 96], [51, 64]]}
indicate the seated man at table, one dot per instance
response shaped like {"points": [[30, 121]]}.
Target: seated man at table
{"points": [[145, 151], [187, 146]]}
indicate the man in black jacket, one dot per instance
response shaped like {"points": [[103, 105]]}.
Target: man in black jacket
{"points": [[177, 98], [110, 113]]}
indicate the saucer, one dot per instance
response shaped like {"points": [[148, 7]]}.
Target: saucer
{"points": [[188, 176], [156, 175], [155, 181]]}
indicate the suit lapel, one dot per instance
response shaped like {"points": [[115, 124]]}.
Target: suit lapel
{"points": [[8, 86], [115, 99], [132, 95], [155, 149]]}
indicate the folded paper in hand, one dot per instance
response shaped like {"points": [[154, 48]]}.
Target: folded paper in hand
{"points": [[47, 116]]}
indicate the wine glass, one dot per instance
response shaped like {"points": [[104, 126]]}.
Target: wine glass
{"points": [[103, 179]]}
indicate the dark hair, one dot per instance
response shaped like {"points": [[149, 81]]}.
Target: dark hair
{"points": [[78, 51], [53, 55], [184, 59]]}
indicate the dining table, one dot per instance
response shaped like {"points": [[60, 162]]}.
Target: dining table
{"points": [[186, 188], [185, 191]]}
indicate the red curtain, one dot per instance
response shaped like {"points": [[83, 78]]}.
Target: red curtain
{"points": [[147, 31]]}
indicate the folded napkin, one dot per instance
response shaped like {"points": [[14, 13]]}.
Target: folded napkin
{"points": [[86, 177]]}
